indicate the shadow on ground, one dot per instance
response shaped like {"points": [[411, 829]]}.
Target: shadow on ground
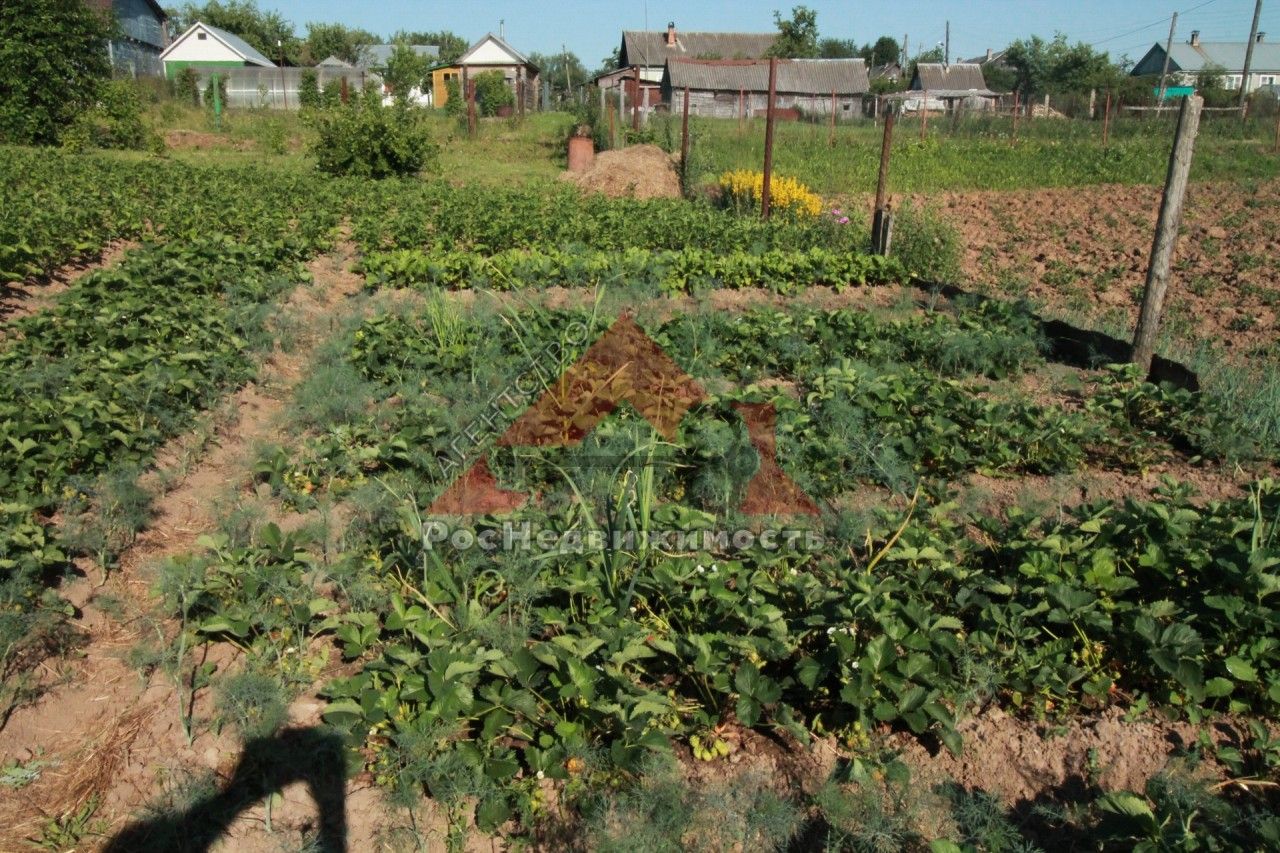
{"points": [[314, 756]]}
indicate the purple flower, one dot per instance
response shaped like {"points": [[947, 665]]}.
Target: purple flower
{"points": [[843, 220]]}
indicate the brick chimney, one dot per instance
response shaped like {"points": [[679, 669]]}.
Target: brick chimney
{"points": [[990, 53], [671, 34], [1195, 38], [1261, 36]]}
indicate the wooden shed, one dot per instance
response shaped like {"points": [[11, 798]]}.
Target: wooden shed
{"points": [[733, 88], [941, 87]]}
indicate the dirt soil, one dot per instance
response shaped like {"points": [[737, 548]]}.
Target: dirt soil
{"points": [[33, 295], [639, 171], [109, 733], [1084, 250], [196, 140]]}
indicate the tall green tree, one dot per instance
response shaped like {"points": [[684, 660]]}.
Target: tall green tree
{"points": [[552, 68], [269, 32], [797, 35], [405, 71], [325, 40], [1057, 67], [451, 44], [830, 48], [884, 50], [53, 65]]}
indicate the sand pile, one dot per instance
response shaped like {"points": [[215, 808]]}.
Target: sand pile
{"points": [[640, 171]]}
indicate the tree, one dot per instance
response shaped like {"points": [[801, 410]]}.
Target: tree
{"points": [[325, 40], [837, 48], [406, 70], [885, 50], [612, 62], [451, 44], [492, 92], [797, 36], [1055, 67], [269, 32], [53, 61], [552, 67]]}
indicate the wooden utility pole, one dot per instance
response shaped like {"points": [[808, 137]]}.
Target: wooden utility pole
{"points": [[766, 193], [1164, 72], [1248, 59], [635, 103], [568, 81], [1106, 121], [831, 142], [1167, 225], [881, 218], [946, 55], [684, 139], [924, 115]]}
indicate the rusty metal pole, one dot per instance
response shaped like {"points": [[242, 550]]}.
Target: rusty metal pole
{"points": [[684, 139], [742, 109], [924, 115], [766, 190], [635, 103], [1016, 108], [1166, 239]]}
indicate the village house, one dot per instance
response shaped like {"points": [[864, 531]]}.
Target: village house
{"points": [[491, 53], [1189, 59], [643, 57], [207, 48], [143, 36], [740, 88], [944, 88]]}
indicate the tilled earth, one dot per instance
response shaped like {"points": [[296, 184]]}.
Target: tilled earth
{"points": [[1083, 252]]}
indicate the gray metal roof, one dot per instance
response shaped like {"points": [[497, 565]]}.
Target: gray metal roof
{"points": [[377, 55], [795, 76], [956, 77], [519, 57], [239, 45], [333, 62], [1227, 55], [641, 47]]}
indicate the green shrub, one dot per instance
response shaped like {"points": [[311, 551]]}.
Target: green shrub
{"points": [[114, 121], [186, 86], [926, 244], [493, 93], [54, 62], [368, 140], [455, 104], [309, 88], [222, 90]]}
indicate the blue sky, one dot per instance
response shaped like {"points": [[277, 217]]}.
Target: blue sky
{"points": [[590, 28]]}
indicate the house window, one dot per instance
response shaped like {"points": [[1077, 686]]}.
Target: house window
{"points": [[202, 35], [1269, 80]]}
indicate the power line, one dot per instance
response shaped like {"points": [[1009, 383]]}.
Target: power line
{"points": [[1160, 22]]}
